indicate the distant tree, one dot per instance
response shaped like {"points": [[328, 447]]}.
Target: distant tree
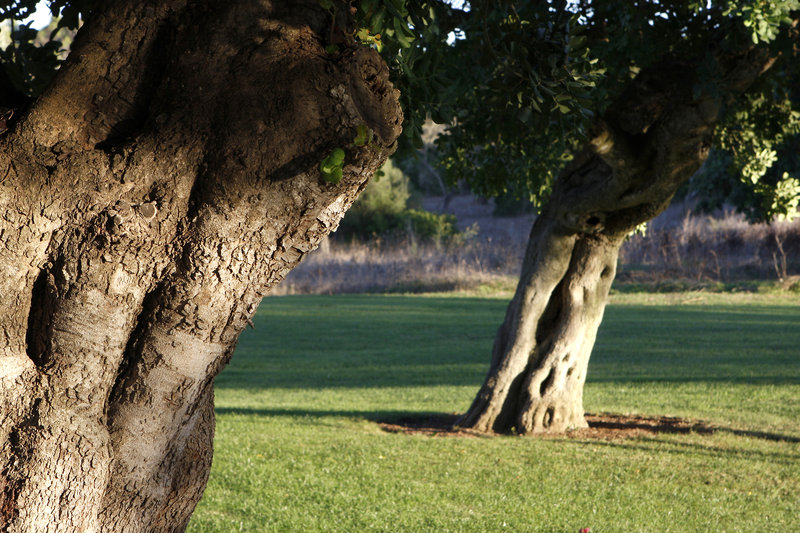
{"points": [[600, 111]]}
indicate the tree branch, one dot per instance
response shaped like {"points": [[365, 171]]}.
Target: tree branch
{"points": [[118, 41]]}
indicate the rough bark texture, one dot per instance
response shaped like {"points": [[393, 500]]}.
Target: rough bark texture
{"points": [[150, 198], [646, 145]]}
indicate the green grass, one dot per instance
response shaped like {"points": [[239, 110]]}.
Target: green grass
{"points": [[297, 448]]}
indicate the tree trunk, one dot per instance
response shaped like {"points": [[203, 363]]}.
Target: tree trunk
{"points": [[644, 147], [542, 349], [150, 198]]}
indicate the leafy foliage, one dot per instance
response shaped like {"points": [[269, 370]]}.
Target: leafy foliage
{"points": [[32, 57], [521, 81], [30, 66], [412, 37], [763, 18], [757, 161], [528, 48], [530, 78]]}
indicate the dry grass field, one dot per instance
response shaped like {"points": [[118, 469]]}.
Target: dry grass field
{"points": [[681, 250]]}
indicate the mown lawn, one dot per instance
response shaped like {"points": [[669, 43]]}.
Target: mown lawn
{"points": [[298, 449]]}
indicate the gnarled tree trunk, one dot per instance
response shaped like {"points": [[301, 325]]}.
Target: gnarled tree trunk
{"points": [[648, 143], [150, 198]]}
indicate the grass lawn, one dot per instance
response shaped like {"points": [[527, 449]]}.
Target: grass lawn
{"points": [[297, 447]]}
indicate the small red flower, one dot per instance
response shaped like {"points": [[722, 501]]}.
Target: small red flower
{"points": [[585, 530]]}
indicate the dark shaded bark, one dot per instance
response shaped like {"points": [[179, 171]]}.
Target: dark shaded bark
{"points": [[150, 198], [647, 144]]}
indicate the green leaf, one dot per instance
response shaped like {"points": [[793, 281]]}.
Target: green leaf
{"points": [[331, 166], [335, 176], [366, 6], [376, 22], [363, 135], [403, 35]]}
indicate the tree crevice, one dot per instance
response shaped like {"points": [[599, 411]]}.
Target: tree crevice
{"points": [[40, 314], [130, 359], [547, 382]]}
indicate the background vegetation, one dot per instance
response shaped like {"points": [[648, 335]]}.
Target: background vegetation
{"points": [[683, 249], [389, 208]]}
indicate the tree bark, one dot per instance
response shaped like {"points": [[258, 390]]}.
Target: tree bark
{"points": [[150, 198], [639, 152]]}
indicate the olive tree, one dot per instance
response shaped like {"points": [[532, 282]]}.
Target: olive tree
{"points": [[182, 160], [601, 111]]}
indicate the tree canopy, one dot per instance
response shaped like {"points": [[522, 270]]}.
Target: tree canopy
{"points": [[519, 82]]}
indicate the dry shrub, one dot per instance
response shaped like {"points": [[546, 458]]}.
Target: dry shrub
{"points": [[404, 267], [683, 245], [679, 246]]}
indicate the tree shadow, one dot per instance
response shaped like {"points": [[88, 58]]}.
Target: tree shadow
{"points": [[378, 341], [654, 444], [605, 427], [372, 416], [764, 435]]}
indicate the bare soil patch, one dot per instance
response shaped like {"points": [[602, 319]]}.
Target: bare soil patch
{"points": [[605, 426]]}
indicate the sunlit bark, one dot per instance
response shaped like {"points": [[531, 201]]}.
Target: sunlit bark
{"points": [[164, 182]]}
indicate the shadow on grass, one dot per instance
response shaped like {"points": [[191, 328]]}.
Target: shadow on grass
{"points": [[776, 437], [371, 416], [601, 427], [659, 445], [349, 341]]}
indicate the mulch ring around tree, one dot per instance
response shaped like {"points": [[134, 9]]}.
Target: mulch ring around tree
{"points": [[605, 426]]}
